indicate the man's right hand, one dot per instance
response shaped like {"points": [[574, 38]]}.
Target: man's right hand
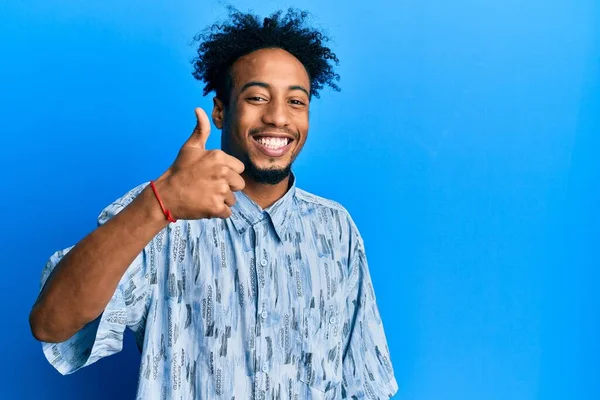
{"points": [[200, 183]]}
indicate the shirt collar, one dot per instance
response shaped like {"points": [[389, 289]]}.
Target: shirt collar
{"points": [[245, 212]]}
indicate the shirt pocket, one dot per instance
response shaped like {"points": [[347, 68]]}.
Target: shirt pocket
{"points": [[321, 348]]}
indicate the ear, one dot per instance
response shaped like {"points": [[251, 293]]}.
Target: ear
{"points": [[218, 112]]}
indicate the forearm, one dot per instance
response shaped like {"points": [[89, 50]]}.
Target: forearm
{"points": [[83, 282]]}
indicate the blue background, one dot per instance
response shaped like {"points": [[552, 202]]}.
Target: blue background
{"points": [[464, 143]]}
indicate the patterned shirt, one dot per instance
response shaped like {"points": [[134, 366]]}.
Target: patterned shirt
{"points": [[266, 304]]}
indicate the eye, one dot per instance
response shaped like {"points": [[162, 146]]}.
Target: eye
{"points": [[297, 102], [256, 98]]}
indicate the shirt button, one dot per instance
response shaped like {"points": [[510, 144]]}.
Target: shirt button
{"points": [[263, 315], [263, 262], [264, 368], [332, 320]]}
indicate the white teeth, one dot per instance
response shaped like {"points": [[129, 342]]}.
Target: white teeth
{"points": [[273, 143]]}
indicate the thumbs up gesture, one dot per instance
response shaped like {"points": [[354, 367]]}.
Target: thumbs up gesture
{"points": [[200, 183]]}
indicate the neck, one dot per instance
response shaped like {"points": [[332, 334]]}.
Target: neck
{"points": [[265, 195]]}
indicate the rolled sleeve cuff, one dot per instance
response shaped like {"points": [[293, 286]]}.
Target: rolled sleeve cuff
{"points": [[388, 389], [99, 338]]}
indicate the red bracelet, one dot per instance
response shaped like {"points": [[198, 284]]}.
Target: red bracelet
{"points": [[165, 211]]}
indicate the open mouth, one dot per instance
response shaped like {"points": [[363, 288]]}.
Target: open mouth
{"points": [[273, 146]]}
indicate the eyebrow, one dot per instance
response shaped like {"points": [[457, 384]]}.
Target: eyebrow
{"points": [[267, 86]]}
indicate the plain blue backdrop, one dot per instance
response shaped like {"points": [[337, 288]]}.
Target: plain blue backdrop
{"points": [[464, 143]]}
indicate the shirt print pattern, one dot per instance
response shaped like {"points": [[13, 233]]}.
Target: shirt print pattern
{"points": [[266, 304]]}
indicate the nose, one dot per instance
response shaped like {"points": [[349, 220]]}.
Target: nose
{"points": [[276, 114]]}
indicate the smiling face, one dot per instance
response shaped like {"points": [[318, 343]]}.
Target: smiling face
{"points": [[265, 123]]}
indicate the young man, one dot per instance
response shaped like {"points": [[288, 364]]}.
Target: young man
{"points": [[236, 283]]}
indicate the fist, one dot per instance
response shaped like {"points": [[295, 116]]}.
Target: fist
{"points": [[200, 182]]}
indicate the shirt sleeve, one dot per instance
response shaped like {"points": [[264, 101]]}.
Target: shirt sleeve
{"points": [[103, 336], [367, 368]]}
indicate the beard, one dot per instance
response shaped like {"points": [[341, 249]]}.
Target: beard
{"points": [[267, 176]]}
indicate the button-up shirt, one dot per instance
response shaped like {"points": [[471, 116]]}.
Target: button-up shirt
{"points": [[266, 304]]}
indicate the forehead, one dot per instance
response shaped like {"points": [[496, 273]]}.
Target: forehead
{"points": [[276, 67]]}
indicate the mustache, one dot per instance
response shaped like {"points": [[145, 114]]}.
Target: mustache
{"points": [[262, 130]]}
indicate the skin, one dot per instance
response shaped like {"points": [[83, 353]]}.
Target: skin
{"points": [[199, 184], [279, 103]]}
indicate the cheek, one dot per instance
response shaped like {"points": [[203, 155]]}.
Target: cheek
{"points": [[300, 144], [301, 123], [248, 119], [303, 128]]}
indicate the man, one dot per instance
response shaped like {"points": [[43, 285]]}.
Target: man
{"points": [[236, 283]]}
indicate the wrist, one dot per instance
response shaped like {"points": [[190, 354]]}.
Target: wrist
{"points": [[152, 210], [163, 195], [165, 210]]}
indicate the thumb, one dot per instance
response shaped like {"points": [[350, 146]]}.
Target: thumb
{"points": [[202, 129]]}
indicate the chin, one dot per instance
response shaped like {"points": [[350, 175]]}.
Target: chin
{"points": [[270, 173], [265, 163]]}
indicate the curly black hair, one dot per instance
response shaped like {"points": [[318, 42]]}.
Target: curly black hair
{"points": [[222, 44]]}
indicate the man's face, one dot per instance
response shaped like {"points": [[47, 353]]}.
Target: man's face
{"points": [[265, 124]]}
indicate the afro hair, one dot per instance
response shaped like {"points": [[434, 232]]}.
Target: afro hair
{"points": [[222, 44]]}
